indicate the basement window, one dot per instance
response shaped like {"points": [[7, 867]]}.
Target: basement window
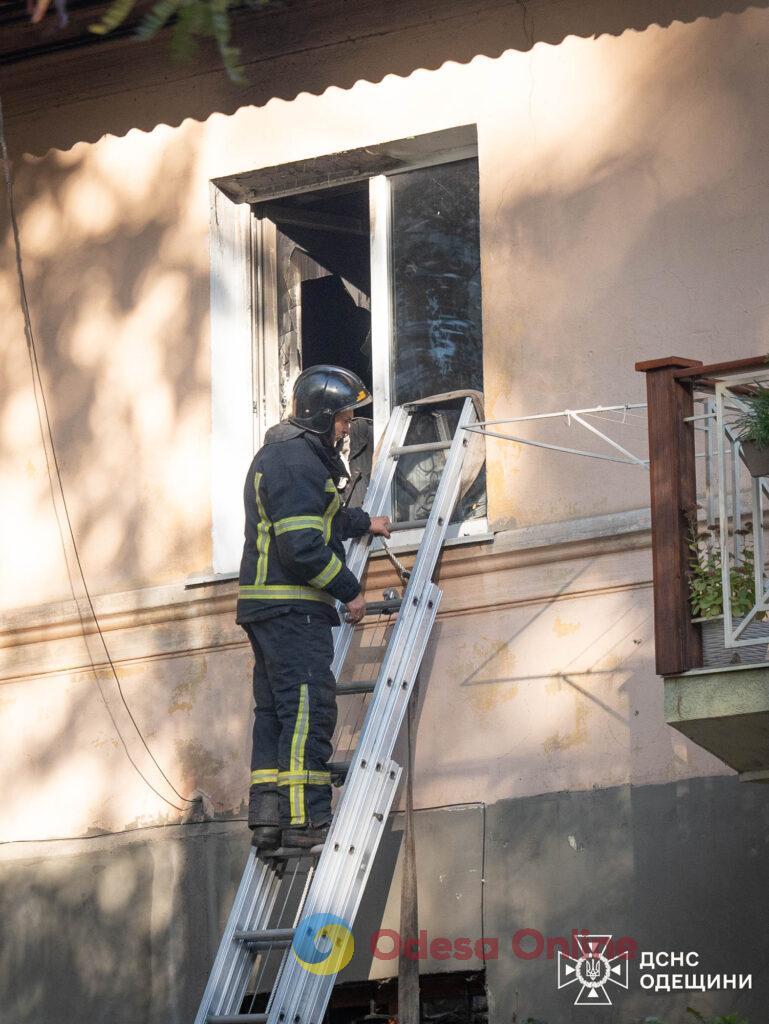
{"points": [[451, 998], [378, 272]]}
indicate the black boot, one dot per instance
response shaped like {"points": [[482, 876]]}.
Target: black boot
{"points": [[265, 837], [307, 836]]}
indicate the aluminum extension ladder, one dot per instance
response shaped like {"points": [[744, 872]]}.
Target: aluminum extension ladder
{"points": [[338, 870]]}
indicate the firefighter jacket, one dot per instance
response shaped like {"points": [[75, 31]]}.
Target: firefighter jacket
{"points": [[293, 555]]}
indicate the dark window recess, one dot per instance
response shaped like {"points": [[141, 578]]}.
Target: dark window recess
{"points": [[323, 281], [334, 327], [445, 998], [456, 998]]}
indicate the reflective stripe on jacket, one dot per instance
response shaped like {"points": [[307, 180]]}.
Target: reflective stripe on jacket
{"points": [[295, 527]]}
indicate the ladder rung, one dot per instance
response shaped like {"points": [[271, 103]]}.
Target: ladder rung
{"points": [[289, 852], [339, 769], [415, 449], [237, 1018], [266, 935], [267, 947], [357, 686], [409, 524], [382, 607]]}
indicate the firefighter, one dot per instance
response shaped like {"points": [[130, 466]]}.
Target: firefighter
{"points": [[291, 576]]}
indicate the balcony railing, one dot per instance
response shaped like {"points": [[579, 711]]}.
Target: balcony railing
{"points": [[705, 507]]}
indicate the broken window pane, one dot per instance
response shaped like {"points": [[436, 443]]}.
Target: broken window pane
{"points": [[437, 341], [436, 277]]}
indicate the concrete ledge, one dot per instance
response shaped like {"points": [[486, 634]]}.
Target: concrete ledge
{"points": [[580, 557], [725, 711]]}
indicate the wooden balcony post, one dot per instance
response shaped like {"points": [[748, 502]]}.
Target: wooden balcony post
{"points": [[673, 486]]}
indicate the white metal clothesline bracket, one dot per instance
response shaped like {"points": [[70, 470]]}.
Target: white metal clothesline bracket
{"points": [[576, 416]]}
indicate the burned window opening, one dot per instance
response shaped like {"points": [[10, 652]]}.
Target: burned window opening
{"points": [[427, 329], [324, 282]]}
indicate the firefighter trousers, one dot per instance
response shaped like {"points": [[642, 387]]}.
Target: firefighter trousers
{"points": [[294, 719]]}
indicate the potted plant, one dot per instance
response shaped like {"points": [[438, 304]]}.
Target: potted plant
{"points": [[706, 599], [752, 428]]}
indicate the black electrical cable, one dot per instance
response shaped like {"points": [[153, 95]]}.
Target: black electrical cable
{"points": [[46, 433]]}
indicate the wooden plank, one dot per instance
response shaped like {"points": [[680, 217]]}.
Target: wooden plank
{"points": [[658, 364], [673, 498], [708, 384], [732, 366]]}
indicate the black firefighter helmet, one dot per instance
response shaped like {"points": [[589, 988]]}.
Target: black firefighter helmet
{"points": [[320, 392]]}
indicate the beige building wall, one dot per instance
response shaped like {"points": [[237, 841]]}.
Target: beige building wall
{"points": [[624, 216]]}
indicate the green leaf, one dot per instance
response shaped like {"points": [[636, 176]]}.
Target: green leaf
{"points": [[221, 28], [115, 15], [753, 424], [190, 23], [157, 17], [192, 19]]}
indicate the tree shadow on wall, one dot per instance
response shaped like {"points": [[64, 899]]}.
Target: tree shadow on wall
{"points": [[119, 309], [121, 930]]}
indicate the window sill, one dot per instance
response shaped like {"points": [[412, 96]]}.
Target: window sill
{"points": [[208, 578], [472, 531]]}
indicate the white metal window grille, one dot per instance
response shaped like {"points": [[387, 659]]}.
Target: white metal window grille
{"points": [[734, 507]]}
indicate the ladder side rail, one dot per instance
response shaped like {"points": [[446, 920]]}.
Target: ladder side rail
{"points": [[242, 959], [253, 904], [434, 534], [387, 709], [339, 880], [373, 741], [361, 794], [353, 807], [389, 701], [311, 992], [285, 959], [443, 505], [404, 665], [376, 503], [384, 738]]}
